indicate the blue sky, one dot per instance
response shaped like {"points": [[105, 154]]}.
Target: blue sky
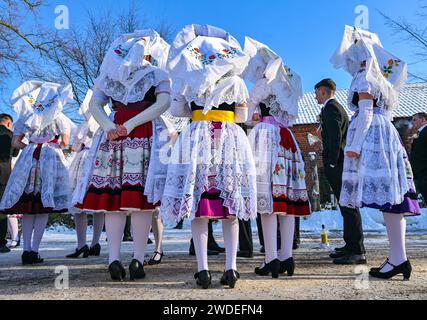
{"points": [[305, 32]]}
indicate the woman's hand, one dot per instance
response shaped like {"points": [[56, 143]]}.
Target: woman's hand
{"points": [[112, 135], [121, 130], [256, 117], [352, 154]]}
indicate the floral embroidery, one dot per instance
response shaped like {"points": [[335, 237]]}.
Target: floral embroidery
{"points": [[388, 70], [279, 167], [289, 72], [121, 52], [207, 60], [40, 107]]}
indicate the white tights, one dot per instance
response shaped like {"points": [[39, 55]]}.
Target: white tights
{"points": [[115, 224], [396, 231], [230, 227], [13, 227], [287, 229], [80, 220], [33, 227]]}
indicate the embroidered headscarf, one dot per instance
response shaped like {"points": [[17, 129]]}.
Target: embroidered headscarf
{"points": [[133, 64], [384, 73], [40, 103], [276, 85], [205, 64]]}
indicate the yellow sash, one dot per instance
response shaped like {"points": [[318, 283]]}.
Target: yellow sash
{"points": [[213, 115]]}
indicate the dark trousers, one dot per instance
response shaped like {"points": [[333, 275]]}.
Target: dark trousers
{"points": [[353, 232], [127, 233], [3, 231], [421, 185], [245, 236]]}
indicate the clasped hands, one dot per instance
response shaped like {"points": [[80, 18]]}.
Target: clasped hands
{"points": [[119, 131]]}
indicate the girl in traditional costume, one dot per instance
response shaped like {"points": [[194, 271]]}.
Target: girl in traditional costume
{"points": [[281, 188], [39, 182], [118, 177], [377, 173], [211, 173]]}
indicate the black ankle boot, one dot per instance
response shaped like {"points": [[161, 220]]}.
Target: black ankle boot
{"points": [[26, 258], [136, 270], [230, 278], [273, 267], [84, 250], [35, 257], [203, 278], [95, 250], [288, 266], [117, 271], [405, 269]]}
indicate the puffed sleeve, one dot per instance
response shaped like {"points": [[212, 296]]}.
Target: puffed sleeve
{"points": [[64, 124], [180, 108], [240, 114], [363, 123], [163, 87]]}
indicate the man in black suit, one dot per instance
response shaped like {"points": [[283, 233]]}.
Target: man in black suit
{"points": [[6, 154], [418, 155], [334, 124]]}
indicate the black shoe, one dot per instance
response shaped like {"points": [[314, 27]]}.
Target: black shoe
{"points": [[262, 250], [95, 250], [245, 254], [351, 259], [35, 257], [84, 250], [216, 247], [272, 267], [153, 261], [4, 249], [179, 225], [229, 278], [405, 269], [338, 254], [26, 258], [340, 249], [203, 278], [127, 239], [117, 271], [288, 266], [136, 270], [382, 266]]}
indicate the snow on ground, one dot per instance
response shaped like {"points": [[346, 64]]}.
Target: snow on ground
{"points": [[372, 222]]}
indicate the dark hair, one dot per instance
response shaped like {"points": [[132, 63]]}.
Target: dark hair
{"points": [[422, 115], [327, 83], [5, 117]]}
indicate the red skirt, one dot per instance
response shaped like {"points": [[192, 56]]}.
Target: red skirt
{"points": [[121, 168], [290, 193]]}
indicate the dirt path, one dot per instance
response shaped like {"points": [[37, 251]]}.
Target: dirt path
{"points": [[315, 277]]}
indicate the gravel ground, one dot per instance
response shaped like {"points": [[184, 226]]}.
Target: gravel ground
{"points": [[315, 277]]}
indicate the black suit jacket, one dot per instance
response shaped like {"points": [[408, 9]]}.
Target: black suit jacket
{"points": [[334, 122], [6, 154], [418, 155]]}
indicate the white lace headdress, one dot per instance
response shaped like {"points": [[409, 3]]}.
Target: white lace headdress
{"points": [[384, 73], [276, 85], [40, 103], [205, 64], [133, 64]]}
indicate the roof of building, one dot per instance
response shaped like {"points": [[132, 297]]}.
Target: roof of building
{"points": [[413, 99]]}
